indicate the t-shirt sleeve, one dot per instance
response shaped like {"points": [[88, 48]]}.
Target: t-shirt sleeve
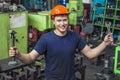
{"points": [[40, 46], [81, 44]]}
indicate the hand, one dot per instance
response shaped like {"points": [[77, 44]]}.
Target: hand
{"points": [[13, 52], [108, 38]]}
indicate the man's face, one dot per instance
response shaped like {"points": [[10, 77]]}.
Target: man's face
{"points": [[61, 23]]}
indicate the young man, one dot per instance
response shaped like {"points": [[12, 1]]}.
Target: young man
{"points": [[59, 46]]}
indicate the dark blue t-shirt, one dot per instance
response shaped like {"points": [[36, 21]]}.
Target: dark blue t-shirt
{"points": [[59, 54]]}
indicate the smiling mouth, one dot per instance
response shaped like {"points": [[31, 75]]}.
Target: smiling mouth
{"points": [[63, 26]]}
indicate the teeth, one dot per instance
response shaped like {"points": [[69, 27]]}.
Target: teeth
{"points": [[61, 26]]}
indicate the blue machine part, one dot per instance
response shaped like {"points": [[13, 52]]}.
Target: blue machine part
{"points": [[40, 4], [98, 10], [32, 4], [115, 36], [63, 2], [28, 4]]}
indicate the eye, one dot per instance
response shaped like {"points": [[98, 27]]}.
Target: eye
{"points": [[59, 20], [65, 20]]}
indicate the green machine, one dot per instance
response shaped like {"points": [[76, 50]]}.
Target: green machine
{"points": [[40, 20], [4, 25], [76, 10], [117, 60], [17, 22]]}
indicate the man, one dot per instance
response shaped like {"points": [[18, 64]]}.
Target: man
{"points": [[58, 46]]}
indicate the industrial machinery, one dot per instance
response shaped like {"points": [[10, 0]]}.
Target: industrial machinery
{"points": [[13, 62], [98, 10], [34, 5], [40, 20], [76, 9], [107, 72], [39, 5], [117, 61], [111, 69], [18, 22]]}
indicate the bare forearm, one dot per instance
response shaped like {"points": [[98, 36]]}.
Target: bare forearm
{"points": [[97, 51], [94, 52], [25, 58]]}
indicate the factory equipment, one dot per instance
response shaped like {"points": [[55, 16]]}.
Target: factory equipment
{"points": [[40, 20], [34, 5], [106, 14], [18, 22], [13, 62], [63, 2], [117, 61], [79, 66], [4, 35], [76, 9], [39, 23], [10, 7], [97, 3], [39, 5], [111, 61], [107, 72], [51, 3], [21, 72]]}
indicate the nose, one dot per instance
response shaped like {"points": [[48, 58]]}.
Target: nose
{"points": [[62, 22]]}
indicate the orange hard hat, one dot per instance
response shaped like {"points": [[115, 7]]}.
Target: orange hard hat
{"points": [[59, 9]]}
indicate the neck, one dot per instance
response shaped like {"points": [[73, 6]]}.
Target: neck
{"points": [[60, 33]]}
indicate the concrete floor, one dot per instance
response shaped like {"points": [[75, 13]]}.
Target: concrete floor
{"points": [[91, 70]]}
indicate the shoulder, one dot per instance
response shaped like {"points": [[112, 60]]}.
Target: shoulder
{"points": [[46, 35]]}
